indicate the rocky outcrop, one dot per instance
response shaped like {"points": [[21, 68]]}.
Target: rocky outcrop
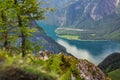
{"points": [[89, 71]]}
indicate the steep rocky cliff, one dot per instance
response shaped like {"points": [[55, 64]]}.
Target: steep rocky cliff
{"points": [[82, 10], [103, 8], [89, 71]]}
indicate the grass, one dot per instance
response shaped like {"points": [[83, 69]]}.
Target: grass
{"points": [[71, 37], [58, 66], [29, 64], [93, 35], [115, 75]]}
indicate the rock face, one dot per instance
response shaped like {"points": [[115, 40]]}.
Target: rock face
{"points": [[81, 10], [103, 8], [84, 9], [89, 71]]}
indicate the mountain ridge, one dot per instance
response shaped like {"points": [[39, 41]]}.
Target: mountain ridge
{"points": [[47, 42], [97, 15], [110, 63]]}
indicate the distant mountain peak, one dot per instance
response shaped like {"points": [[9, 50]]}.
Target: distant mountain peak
{"points": [[104, 8]]}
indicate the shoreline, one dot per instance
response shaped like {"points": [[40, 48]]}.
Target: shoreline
{"points": [[83, 39]]}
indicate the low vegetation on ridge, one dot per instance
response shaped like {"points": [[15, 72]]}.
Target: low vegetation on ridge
{"points": [[114, 75], [57, 67]]}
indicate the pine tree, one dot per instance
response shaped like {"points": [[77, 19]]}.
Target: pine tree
{"points": [[27, 11], [6, 30], [15, 19]]}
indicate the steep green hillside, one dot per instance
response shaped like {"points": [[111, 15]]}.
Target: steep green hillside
{"points": [[115, 75], [41, 39], [112, 62], [107, 28]]}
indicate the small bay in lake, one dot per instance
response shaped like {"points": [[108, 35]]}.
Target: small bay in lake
{"points": [[94, 51]]}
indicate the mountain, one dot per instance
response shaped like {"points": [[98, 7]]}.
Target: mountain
{"points": [[100, 19], [45, 41], [93, 10], [114, 75], [111, 63]]}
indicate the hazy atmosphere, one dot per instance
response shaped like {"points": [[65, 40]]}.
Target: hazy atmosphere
{"points": [[59, 39]]}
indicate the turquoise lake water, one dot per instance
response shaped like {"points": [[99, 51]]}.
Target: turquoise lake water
{"points": [[94, 51]]}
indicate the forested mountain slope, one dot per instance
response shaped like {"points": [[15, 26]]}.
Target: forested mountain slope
{"points": [[98, 17]]}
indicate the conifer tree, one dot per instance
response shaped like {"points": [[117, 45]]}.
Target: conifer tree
{"points": [[6, 18], [27, 11], [16, 17]]}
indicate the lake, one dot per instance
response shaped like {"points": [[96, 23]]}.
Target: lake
{"points": [[94, 51]]}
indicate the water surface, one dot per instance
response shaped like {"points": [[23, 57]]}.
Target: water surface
{"points": [[94, 51]]}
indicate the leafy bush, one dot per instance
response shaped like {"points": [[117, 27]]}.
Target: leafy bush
{"points": [[63, 65]]}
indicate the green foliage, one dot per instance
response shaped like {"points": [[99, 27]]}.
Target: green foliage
{"points": [[108, 69], [66, 76], [59, 66], [71, 37], [29, 64], [15, 22], [6, 28], [33, 46], [25, 65], [52, 62], [114, 35], [115, 75], [63, 65], [112, 62], [107, 28]]}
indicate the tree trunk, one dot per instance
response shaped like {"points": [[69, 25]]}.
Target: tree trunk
{"points": [[23, 48], [22, 35], [5, 33], [6, 44]]}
